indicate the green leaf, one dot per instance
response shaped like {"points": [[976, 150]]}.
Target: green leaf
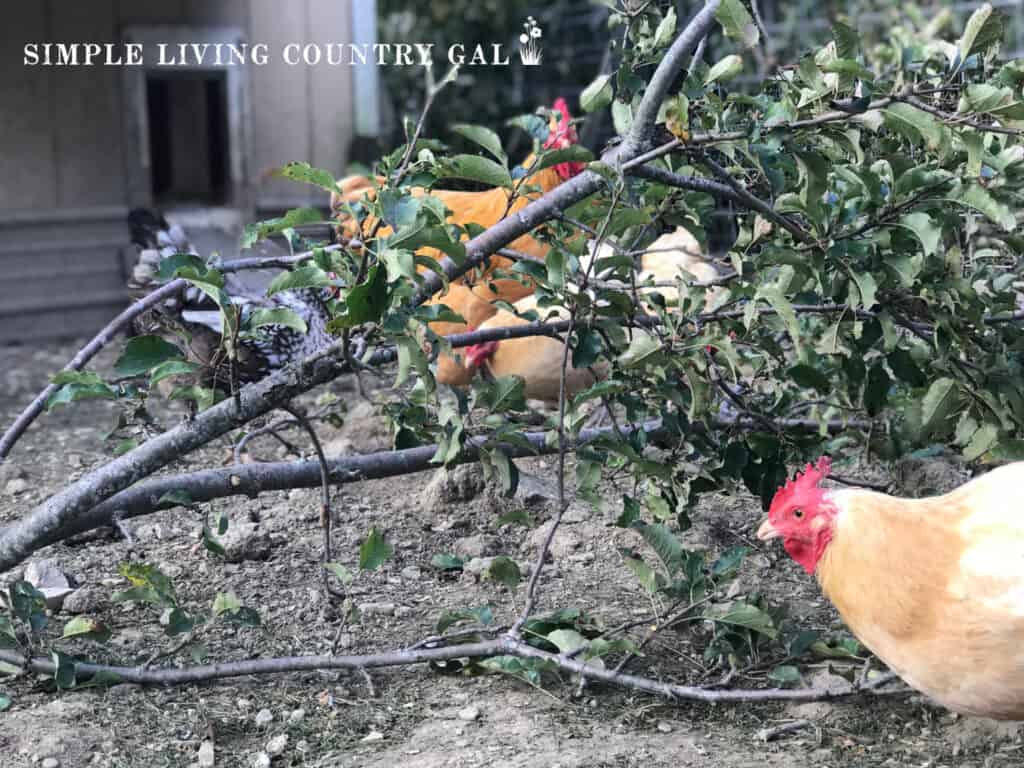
{"points": [[924, 230], [983, 30], [296, 217], [178, 623], [743, 615], [308, 174], [848, 67], [505, 571], [876, 389], [446, 562], [666, 29], [79, 385], [983, 439], [366, 302], [399, 209], [303, 277], [785, 674], [729, 563], [476, 168], [374, 551], [483, 615], [847, 41], [81, 626], [810, 378], [577, 153], [644, 573], [597, 95], [938, 404], [144, 353], [5, 702], [980, 199], [737, 22], [724, 70], [172, 266], [665, 545], [485, 137], [171, 368], [279, 316], [566, 640], [915, 124], [643, 346], [622, 117], [64, 670], [340, 572], [503, 394], [176, 498]]}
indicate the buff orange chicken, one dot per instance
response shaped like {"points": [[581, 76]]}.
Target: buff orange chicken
{"points": [[934, 586]]}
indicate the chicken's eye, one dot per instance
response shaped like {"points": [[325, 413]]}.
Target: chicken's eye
{"points": [[798, 513]]}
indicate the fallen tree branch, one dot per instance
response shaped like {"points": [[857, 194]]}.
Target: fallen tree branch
{"points": [[256, 478], [502, 646]]}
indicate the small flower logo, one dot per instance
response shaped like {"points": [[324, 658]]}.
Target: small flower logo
{"points": [[530, 52]]}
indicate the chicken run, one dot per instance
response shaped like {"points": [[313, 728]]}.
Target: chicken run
{"points": [[533, 427]]}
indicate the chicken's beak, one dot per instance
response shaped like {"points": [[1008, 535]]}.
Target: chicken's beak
{"points": [[767, 531]]}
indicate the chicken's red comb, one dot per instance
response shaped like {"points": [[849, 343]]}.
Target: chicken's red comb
{"points": [[562, 106], [808, 480]]}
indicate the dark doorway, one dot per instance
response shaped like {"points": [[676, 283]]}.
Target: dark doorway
{"points": [[188, 137]]}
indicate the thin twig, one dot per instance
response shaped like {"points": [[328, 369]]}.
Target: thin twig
{"points": [[326, 515]]}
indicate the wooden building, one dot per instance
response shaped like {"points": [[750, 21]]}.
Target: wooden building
{"points": [[81, 145]]}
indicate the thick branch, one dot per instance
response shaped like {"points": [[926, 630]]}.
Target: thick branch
{"points": [[254, 400]]}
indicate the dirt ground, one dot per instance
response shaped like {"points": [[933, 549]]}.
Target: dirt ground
{"points": [[412, 716]]}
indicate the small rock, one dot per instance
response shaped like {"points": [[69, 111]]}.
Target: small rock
{"points": [[296, 716], [577, 513], [373, 736], [206, 754], [535, 491], [345, 640], [277, 744], [15, 486], [50, 762], [919, 476], [260, 760], [245, 541], [412, 573], [377, 609], [664, 727], [148, 532], [48, 578], [563, 544], [85, 600], [302, 746], [480, 567], [403, 611], [263, 718], [10, 471], [469, 714], [463, 483], [478, 545], [123, 690]]}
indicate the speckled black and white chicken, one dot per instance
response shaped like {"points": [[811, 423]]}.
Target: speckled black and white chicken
{"points": [[192, 321]]}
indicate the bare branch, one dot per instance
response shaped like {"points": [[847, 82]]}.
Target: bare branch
{"points": [[731, 191]]}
